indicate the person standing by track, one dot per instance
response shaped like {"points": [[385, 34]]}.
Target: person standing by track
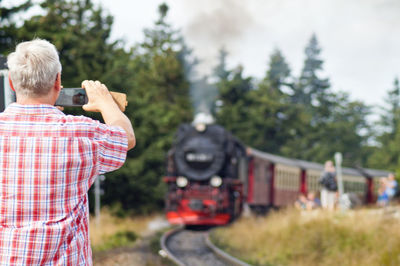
{"points": [[329, 186], [49, 160]]}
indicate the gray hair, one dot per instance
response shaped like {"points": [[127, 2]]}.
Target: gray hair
{"points": [[33, 67]]}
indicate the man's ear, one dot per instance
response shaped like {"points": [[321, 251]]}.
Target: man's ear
{"points": [[10, 81], [57, 83]]}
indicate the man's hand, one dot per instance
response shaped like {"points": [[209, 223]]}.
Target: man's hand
{"points": [[99, 98]]}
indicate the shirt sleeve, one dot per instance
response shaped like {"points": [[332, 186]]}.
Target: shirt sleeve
{"points": [[113, 146]]}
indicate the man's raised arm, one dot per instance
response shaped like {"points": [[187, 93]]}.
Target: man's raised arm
{"points": [[100, 100]]}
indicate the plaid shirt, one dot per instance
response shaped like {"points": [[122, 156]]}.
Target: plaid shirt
{"points": [[48, 161]]}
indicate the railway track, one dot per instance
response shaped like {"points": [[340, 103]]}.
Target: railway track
{"points": [[193, 248]]}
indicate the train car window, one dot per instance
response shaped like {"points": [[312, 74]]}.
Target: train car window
{"points": [[312, 180], [287, 177], [354, 184]]}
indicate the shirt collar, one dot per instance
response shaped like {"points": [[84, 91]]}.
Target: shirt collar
{"points": [[32, 109]]}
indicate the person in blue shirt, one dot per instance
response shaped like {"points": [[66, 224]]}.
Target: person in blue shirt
{"points": [[313, 201], [383, 197], [391, 186]]}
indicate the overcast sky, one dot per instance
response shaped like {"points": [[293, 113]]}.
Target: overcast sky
{"points": [[360, 39]]}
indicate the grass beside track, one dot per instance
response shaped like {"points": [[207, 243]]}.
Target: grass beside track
{"points": [[289, 237], [113, 232], [127, 241]]}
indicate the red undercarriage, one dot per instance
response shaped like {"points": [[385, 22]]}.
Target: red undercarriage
{"points": [[199, 204], [185, 215], [196, 218]]}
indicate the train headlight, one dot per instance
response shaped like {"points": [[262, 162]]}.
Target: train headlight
{"points": [[216, 181], [181, 181]]}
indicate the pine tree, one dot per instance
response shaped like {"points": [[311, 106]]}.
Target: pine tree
{"points": [[235, 101], [278, 71], [81, 33], [343, 131], [310, 89], [159, 101], [329, 122], [312, 101], [260, 115], [8, 27], [387, 154], [391, 117], [270, 112]]}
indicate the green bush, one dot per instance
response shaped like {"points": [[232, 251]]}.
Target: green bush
{"points": [[120, 239]]}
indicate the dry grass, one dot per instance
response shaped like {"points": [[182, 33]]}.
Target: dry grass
{"points": [[363, 237], [111, 226]]}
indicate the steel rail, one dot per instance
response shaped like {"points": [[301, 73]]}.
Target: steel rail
{"points": [[163, 243], [223, 256]]}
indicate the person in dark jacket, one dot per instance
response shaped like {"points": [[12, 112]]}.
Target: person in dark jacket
{"points": [[329, 186]]}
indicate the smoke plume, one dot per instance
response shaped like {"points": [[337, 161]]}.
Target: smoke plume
{"points": [[216, 24]]}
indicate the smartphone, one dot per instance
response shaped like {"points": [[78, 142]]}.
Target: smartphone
{"points": [[72, 97]]}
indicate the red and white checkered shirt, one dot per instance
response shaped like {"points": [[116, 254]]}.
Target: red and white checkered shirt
{"points": [[48, 161]]}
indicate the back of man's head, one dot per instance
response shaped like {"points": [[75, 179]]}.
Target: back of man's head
{"points": [[33, 67]]}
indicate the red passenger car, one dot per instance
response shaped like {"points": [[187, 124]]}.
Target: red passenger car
{"points": [[277, 181]]}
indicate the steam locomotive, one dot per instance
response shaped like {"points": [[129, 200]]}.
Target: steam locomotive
{"points": [[211, 175], [205, 172]]}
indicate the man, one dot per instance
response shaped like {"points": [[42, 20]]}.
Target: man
{"points": [[49, 160]]}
